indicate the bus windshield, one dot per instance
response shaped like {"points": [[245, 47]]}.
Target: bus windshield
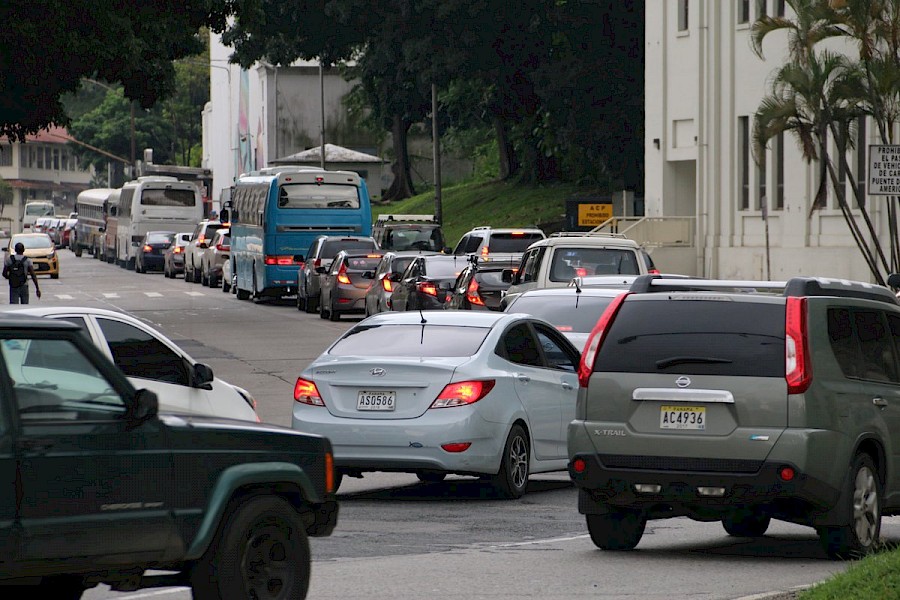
{"points": [[39, 209], [170, 197], [311, 195]]}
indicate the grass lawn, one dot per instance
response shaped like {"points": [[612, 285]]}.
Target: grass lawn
{"points": [[498, 204], [876, 576]]}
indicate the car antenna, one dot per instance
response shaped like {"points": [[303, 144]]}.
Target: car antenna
{"points": [[576, 281]]}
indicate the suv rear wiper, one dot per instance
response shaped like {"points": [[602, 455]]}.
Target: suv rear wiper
{"points": [[680, 360]]}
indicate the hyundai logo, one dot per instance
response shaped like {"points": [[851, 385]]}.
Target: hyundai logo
{"points": [[379, 372], [683, 381]]}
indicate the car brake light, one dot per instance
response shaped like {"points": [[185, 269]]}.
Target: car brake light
{"points": [[306, 392], [596, 338], [318, 263], [427, 287], [463, 393], [580, 271], [386, 283], [148, 248], [222, 248], [282, 261], [342, 275], [653, 271], [797, 367], [178, 250], [472, 293], [485, 251]]}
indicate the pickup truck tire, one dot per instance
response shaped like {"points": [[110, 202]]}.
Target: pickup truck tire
{"points": [[262, 552]]}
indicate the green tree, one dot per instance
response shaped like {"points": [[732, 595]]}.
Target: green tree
{"points": [[47, 47]]}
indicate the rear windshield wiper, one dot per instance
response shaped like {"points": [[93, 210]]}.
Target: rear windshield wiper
{"points": [[681, 360]]}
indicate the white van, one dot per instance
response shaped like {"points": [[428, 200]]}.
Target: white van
{"points": [[154, 203], [35, 210]]}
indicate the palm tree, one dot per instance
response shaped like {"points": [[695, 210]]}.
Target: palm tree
{"points": [[812, 95]]}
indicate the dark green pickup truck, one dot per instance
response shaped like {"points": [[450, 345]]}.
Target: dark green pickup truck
{"points": [[96, 487]]}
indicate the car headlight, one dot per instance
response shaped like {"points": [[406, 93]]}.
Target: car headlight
{"points": [[51, 254], [249, 399]]}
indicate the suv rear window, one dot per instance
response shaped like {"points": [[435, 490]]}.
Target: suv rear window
{"points": [[410, 340], [696, 337], [512, 242], [581, 262]]}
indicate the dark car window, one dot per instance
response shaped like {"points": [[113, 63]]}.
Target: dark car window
{"points": [[413, 237], [512, 242], [140, 354], [875, 346], [520, 346], [410, 340], [473, 244], [570, 314], [843, 344], [580, 262], [400, 263], [558, 354], [490, 278], [696, 337]]}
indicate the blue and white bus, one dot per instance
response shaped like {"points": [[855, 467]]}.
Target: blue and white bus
{"points": [[276, 213]]}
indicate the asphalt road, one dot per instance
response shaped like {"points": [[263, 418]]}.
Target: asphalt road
{"points": [[401, 539]]}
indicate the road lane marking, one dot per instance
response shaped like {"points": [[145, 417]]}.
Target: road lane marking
{"points": [[65, 297], [195, 293], [110, 295], [544, 541], [153, 294]]}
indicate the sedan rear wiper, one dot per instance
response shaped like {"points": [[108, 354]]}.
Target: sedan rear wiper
{"points": [[680, 360]]}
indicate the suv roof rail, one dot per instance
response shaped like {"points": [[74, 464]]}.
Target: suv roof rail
{"points": [[481, 227], [824, 286], [588, 234], [405, 218]]}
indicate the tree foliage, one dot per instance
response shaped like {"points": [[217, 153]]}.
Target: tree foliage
{"points": [[46, 48]]}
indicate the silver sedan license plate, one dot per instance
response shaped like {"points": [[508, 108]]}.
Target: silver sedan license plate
{"points": [[682, 417], [376, 400]]}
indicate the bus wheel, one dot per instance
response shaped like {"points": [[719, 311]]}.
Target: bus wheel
{"points": [[242, 294], [78, 250]]}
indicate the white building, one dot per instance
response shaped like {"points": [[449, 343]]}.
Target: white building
{"points": [[703, 85]]}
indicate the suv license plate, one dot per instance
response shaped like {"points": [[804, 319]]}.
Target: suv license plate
{"points": [[369, 400], [682, 417]]}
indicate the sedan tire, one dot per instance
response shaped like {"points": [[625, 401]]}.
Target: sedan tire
{"points": [[512, 479]]}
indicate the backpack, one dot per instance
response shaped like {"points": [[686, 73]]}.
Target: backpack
{"points": [[16, 272]]}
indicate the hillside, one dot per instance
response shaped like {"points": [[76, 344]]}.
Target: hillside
{"points": [[498, 204]]}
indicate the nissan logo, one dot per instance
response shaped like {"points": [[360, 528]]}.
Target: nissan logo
{"points": [[379, 372], [683, 381]]}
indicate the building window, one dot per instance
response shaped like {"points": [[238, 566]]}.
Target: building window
{"points": [[743, 7], [862, 149], [779, 8], [779, 171], [683, 15], [744, 162], [6, 151], [761, 8]]}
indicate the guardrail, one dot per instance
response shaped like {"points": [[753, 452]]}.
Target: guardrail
{"points": [[652, 231]]}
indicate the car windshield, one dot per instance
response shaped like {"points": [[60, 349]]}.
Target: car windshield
{"points": [[570, 314], [512, 242], [581, 262], [32, 241], [414, 237], [423, 340]]}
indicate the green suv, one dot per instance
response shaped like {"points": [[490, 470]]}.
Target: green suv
{"points": [[97, 487], [741, 402]]}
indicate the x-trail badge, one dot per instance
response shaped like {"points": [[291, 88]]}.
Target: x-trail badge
{"points": [[683, 381], [377, 372]]}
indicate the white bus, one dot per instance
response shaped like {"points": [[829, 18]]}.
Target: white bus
{"points": [[154, 203], [91, 208], [34, 210]]}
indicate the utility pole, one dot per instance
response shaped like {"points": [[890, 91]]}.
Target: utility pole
{"points": [[322, 102], [436, 144]]}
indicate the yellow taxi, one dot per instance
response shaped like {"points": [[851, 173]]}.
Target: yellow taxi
{"points": [[41, 250]]}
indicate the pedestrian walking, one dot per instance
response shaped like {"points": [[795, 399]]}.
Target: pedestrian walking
{"points": [[17, 268]]}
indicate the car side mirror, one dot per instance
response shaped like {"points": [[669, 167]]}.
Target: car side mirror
{"points": [[202, 376], [321, 270], [368, 275], [507, 275], [203, 245], [145, 407]]}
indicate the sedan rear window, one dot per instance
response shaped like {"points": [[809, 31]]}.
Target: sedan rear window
{"points": [[564, 313], [696, 337], [332, 247], [410, 340]]}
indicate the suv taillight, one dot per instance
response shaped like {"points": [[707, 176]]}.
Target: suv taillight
{"points": [[592, 347], [797, 367]]}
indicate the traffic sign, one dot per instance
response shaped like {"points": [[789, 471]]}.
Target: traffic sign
{"points": [[884, 170]]}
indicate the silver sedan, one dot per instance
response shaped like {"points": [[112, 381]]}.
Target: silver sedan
{"points": [[438, 392]]}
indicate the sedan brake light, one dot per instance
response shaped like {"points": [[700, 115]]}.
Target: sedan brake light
{"points": [[463, 393], [427, 287], [386, 283], [472, 294], [148, 248], [178, 250], [342, 275], [306, 392], [222, 247]]}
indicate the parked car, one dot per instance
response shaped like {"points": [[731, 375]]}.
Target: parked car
{"points": [[102, 488], [68, 231], [480, 285], [498, 243], [474, 393], [228, 277], [153, 361], [391, 266], [317, 262], [573, 311], [427, 283], [173, 258], [408, 232], [151, 254], [40, 224], [218, 253], [556, 260], [344, 287], [193, 252], [722, 400], [40, 249]]}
